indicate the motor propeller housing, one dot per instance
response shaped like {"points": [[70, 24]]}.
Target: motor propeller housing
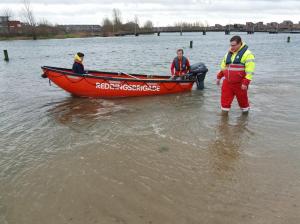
{"points": [[198, 72]]}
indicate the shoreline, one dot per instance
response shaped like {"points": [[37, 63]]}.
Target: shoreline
{"points": [[89, 35], [58, 36]]}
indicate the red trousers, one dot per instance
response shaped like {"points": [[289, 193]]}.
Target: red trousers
{"points": [[229, 91]]}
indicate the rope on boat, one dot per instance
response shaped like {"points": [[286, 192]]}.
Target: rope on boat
{"points": [[175, 84], [77, 81], [93, 84], [132, 76]]}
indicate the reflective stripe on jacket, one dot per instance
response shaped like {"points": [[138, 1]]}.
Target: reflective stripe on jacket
{"points": [[238, 66]]}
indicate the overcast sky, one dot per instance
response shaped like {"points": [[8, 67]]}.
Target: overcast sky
{"points": [[161, 12]]}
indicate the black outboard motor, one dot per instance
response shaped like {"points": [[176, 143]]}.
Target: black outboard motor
{"points": [[198, 72]]}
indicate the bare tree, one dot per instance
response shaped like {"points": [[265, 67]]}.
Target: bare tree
{"points": [[44, 28], [29, 17], [8, 12], [136, 22], [189, 25], [117, 21], [107, 25], [44, 22], [206, 24], [148, 25]]}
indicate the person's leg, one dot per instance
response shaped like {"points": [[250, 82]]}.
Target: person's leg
{"points": [[242, 98], [227, 96]]}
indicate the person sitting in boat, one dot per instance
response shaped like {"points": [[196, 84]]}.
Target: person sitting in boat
{"points": [[180, 65], [78, 63]]}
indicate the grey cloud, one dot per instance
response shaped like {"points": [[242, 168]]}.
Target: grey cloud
{"points": [[163, 11], [161, 2]]}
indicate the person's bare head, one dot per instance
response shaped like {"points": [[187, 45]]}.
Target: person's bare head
{"points": [[235, 43], [179, 53]]}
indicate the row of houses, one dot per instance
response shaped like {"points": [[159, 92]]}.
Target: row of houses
{"points": [[286, 25], [15, 27], [9, 26]]}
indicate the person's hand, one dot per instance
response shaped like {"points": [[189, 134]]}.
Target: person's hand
{"points": [[244, 87], [218, 82]]}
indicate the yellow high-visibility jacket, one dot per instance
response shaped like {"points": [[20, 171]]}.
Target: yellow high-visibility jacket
{"points": [[247, 60]]}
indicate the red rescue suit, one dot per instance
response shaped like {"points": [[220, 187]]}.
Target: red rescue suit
{"points": [[234, 77]]}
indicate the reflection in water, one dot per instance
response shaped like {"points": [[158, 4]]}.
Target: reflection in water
{"points": [[74, 109], [155, 159], [225, 148]]}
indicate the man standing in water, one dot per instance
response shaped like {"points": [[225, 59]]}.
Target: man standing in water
{"points": [[180, 65], [237, 68], [78, 66]]}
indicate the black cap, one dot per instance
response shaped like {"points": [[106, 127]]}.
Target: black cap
{"points": [[80, 54]]}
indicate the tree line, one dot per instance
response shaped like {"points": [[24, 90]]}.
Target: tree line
{"points": [[32, 27], [110, 26], [115, 24]]}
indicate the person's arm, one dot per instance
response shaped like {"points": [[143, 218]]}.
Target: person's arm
{"points": [[223, 63], [249, 69], [173, 68], [220, 74], [78, 68], [82, 69], [74, 68], [188, 66]]}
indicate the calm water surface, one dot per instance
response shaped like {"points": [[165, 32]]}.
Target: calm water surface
{"points": [[166, 159]]}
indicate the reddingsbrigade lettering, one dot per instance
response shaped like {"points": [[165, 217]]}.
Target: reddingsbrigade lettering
{"points": [[126, 87]]}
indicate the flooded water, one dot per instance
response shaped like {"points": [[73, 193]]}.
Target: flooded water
{"points": [[164, 159]]}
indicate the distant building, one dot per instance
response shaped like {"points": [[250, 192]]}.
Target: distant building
{"points": [[249, 26], [4, 24], [286, 25], [260, 26], [273, 26], [14, 26], [239, 27], [229, 27], [296, 26], [218, 26], [81, 28]]}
